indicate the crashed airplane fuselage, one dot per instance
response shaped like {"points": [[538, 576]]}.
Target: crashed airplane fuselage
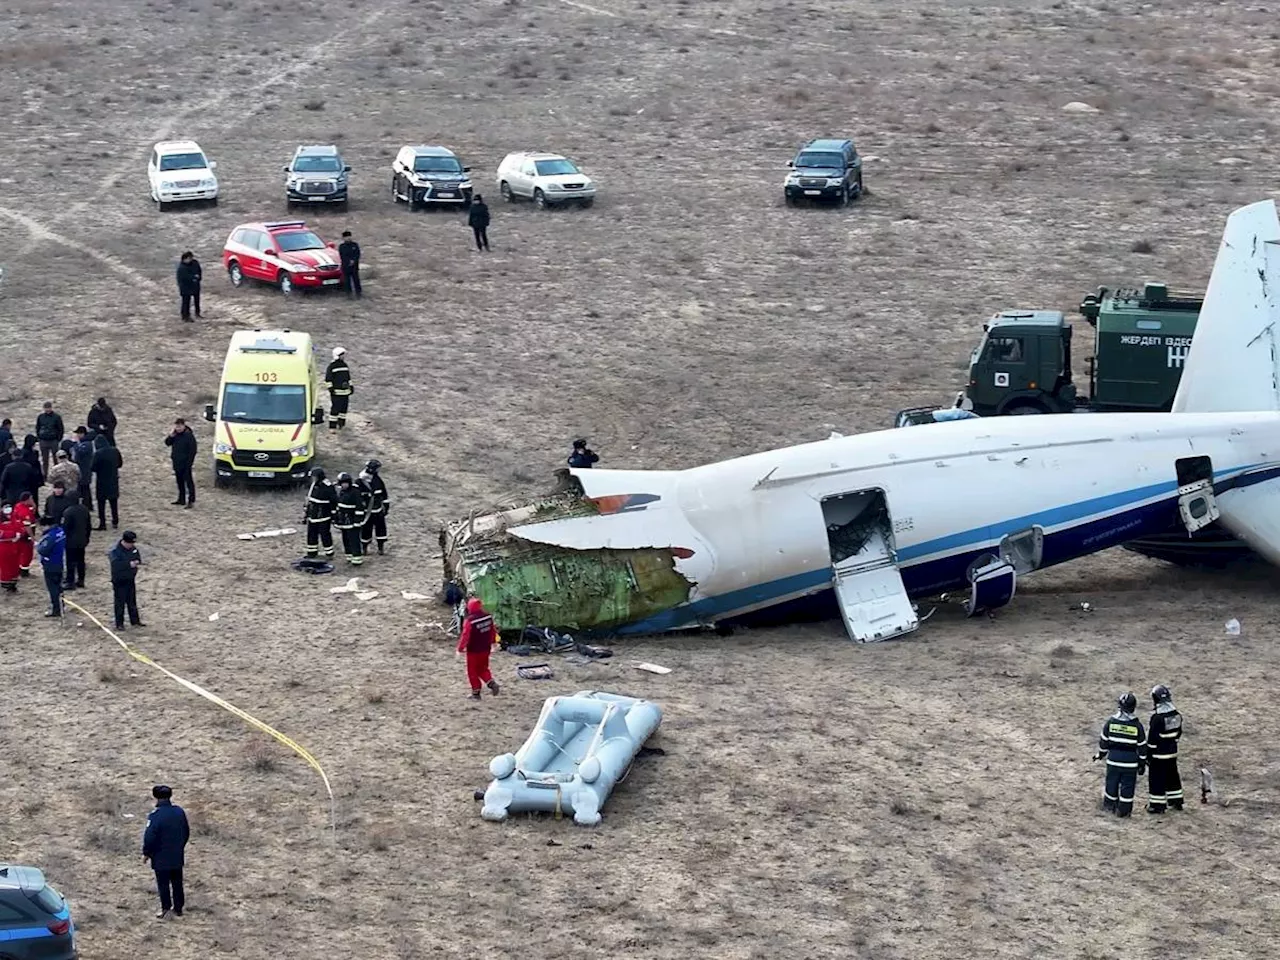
{"points": [[885, 517]]}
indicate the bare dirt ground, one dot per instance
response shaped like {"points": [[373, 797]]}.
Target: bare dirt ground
{"points": [[926, 798]]}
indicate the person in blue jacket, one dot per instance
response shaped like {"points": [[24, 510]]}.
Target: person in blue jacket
{"points": [[164, 844], [53, 551]]}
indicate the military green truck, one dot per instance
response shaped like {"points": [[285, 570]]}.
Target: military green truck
{"points": [[1141, 337]]}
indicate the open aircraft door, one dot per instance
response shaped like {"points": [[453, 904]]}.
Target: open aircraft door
{"points": [[868, 586], [1197, 505]]}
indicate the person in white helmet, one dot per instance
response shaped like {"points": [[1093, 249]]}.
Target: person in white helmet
{"points": [[337, 380]]}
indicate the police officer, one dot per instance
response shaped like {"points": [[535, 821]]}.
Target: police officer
{"points": [[582, 456], [352, 511], [337, 380], [1123, 743], [1164, 788], [322, 500], [349, 254], [379, 507]]}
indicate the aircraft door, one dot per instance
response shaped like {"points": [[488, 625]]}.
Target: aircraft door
{"points": [[873, 600], [1197, 505]]}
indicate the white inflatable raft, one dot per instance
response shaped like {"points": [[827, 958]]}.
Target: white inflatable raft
{"points": [[582, 745]]}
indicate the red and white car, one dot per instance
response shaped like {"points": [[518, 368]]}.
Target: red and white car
{"points": [[285, 254]]}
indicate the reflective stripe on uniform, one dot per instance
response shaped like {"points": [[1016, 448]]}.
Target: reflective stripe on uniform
{"points": [[1117, 763], [1174, 794], [1164, 756]]}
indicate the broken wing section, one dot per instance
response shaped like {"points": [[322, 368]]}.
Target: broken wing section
{"points": [[612, 552], [1234, 361]]}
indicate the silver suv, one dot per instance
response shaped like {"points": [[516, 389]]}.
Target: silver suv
{"points": [[316, 175]]}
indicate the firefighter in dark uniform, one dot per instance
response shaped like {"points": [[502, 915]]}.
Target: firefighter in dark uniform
{"points": [[353, 510], [379, 506], [322, 500], [1123, 743], [1164, 786], [337, 380], [349, 255]]}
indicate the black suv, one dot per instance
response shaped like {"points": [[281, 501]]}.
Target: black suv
{"points": [[35, 922], [824, 170]]}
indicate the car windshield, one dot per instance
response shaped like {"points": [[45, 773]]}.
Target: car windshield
{"points": [[317, 165], [550, 168], [296, 240], [262, 403], [436, 165], [820, 160], [47, 899], [183, 161]]}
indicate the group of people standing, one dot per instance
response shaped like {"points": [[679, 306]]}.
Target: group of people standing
{"points": [[356, 506], [1130, 750]]}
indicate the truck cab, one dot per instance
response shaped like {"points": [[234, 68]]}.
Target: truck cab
{"points": [[266, 413], [1022, 365]]}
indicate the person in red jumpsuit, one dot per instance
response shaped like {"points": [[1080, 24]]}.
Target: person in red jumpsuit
{"points": [[25, 510], [11, 533], [477, 639]]}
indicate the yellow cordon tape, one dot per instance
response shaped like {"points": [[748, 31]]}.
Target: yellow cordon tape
{"points": [[270, 731]]}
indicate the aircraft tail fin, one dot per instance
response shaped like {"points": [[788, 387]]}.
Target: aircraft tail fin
{"points": [[1234, 361]]}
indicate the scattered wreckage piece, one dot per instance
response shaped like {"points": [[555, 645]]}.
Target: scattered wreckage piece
{"points": [[581, 746]]}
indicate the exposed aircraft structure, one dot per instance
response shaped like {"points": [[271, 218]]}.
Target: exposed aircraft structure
{"points": [[883, 518]]}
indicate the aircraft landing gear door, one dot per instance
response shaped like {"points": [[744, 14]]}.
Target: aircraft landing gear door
{"points": [[873, 601], [1196, 503]]}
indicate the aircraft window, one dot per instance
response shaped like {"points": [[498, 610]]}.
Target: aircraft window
{"points": [[1005, 349]]}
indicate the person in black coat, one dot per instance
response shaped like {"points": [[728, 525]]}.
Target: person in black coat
{"points": [[583, 457], [56, 505], [189, 277], [182, 451], [164, 844], [125, 559], [75, 521], [102, 419], [107, 462], [32, 456], [6, 435], [82, 454], [478, 220], [349, 255], [15, 478]]}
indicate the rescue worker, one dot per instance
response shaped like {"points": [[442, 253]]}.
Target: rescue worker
{"points": [[322, 500], [583, 456], [49, 431], [476, 640], [379, 507], [189, 277], [76, 524], [1123, 744], [12, 531], [53, 549], [478, 220], [1164, 785], [349, 254], [353, 508], [103, 419], [25, 510], [337, 380], [125, 560]]}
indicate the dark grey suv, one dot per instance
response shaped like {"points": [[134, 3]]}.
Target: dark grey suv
{"points": [[824, 170], [35, 922]]}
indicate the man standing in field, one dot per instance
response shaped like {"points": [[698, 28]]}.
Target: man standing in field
{"points": [[165, 844], [53, 550], [337, 380], [349, 255], [182, 451], [49, 431], [125, 560], [103, 419], [476, 640], [1122, 743], [190, 277], [1164, 785], [76, 524], [478, 220]]}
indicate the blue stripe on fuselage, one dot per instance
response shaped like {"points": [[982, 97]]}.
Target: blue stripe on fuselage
{"points": [[932, 574]]}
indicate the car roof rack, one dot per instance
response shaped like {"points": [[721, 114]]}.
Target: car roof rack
{"points": [[276, 224]]}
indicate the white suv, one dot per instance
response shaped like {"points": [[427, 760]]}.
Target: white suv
{"points": [[547, 179], [179, 171]]}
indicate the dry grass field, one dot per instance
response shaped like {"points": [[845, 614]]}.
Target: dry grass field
{"points": [[925, 798]]}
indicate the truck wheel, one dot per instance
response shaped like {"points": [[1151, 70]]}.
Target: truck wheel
{"points": [[1023, 410], [539, 200]]}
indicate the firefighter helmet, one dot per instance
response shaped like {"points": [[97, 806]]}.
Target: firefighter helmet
{"points": [[345, 477], [1160, 694], [373, 466], [317, 472], [1127, 702]]}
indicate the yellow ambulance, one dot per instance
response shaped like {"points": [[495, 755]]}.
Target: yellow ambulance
{"points": [[266, 410]]}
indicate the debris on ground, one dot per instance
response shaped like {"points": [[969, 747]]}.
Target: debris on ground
{"points": [[650, 667], [312, 565], [535, 671], [266, 533], [213, 617], [366, 594], [351, 586], [408, 595], [1076, 106], [1233, 627]]}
